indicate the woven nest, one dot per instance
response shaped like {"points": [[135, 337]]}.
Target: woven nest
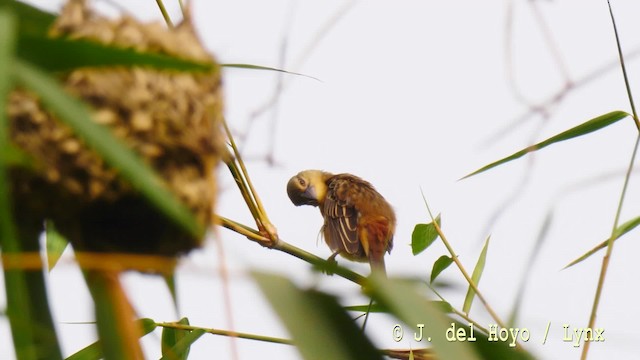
{"points": [[171, 119]]}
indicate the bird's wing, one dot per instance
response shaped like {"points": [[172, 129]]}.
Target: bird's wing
{"points": [[341, 219]]}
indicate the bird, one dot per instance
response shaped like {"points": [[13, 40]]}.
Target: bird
{"points": [[359, 223]]}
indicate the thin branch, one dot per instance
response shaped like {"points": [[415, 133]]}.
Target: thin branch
{"points": [[607, 256], [165, 15], [464, 272], [233, 334]]}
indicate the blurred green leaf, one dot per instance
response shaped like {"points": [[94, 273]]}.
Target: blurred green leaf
{"points": [[94, 351], [181, 349], [32, 328], [32, 20], [320, 328], [442, 263], [52, 54], [117, 332], [170, 337], [423, 236], [18, 311], [621, 230], [475, 277], [11, 155], [55, 242], [406, 302], [76, 114], [582, 129], [258, 67], [379, 308]]}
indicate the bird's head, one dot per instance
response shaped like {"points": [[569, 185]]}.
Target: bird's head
{"points": [[308, 188]]}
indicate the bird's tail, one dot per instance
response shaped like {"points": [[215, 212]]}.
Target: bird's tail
{"points": [[377, 265]]}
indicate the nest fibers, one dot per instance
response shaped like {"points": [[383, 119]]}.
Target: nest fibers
{"points": [[171, 119]]}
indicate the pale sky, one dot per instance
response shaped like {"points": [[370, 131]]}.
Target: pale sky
{"points": [[411, 95]]}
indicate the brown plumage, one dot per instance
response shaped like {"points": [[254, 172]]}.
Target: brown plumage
{"points": [[358, 222]]}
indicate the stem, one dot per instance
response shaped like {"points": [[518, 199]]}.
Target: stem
{"points": [[226, 333], [455, 259], [607, 257], [165, 15]]}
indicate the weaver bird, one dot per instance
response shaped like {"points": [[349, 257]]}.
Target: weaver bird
{"points": [[358, 222]]}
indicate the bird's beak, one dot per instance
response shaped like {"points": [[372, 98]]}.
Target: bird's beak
{"points": [[301, 196]]}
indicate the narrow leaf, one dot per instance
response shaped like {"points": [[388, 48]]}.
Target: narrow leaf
{"points": [[75, 114], [320, 328], [406, 302], [55, 243], [621, 230], [582, 129], [114, 316], [94, 350], [409, 305], [258, 67], [52, 54], [170, 337], [33, 21], [423, 236], [32, 328], [442, 263], [475, 277], [444, 306], [181, 349]]}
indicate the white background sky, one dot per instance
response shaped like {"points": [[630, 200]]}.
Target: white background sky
{"points": [[411, 96]]}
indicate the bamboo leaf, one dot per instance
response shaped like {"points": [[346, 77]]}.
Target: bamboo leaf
{"points": [[75, 114], [423, 236], [444, 306], [32, 328], [621, 230], [94, 350], [170, 337], [52, 54], [407, 303], [442, 263], [114, 316], [258, 67], [582, 129], [55, 244], [475, 277], [333, 334], [176, 343], [32, 20]]}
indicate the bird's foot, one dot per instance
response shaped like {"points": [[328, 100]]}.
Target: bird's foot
{"points": [[330, 267]]}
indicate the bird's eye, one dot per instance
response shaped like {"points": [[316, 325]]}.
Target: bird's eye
{"points": [[301, 181]]}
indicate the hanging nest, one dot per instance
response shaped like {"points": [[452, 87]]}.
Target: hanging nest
{"points": [[171, 119]]}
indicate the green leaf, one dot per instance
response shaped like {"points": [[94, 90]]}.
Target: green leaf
{"points": [[320, 328], [444, 306], [28, 311], [94, 350], [621, 230], [423, 236], [181, 348], [33, 21], [55, 242], [52, 54], [11, 155], [442, 263], [406, 302], [170, 337], [76, 114], [475, 277], [582, 129], [258, 67]]}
